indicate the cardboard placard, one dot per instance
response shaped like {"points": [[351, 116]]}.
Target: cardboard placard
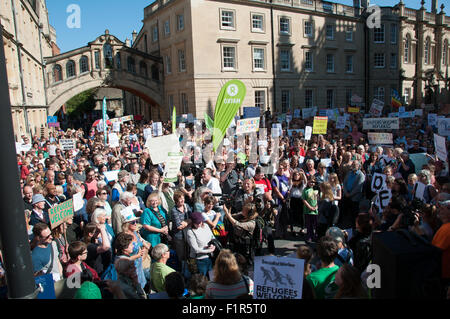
{"points": [[160, 147], [60, 213], [248, 125], [68, 144]]}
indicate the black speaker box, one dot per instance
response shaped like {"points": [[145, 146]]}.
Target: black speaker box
{"points": [[410, 266]]}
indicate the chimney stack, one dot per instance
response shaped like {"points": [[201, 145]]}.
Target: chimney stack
{"points": [[134, 36]]}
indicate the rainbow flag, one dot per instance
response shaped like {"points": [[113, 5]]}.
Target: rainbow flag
{"points": [[395, 99]]}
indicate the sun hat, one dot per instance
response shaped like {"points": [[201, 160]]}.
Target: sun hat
{"points": [[88, 290], [128, 214], [37, 198]]}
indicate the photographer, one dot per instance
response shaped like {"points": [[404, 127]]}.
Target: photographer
{"points": [[244, 194], [230, 180], [243, 225]]}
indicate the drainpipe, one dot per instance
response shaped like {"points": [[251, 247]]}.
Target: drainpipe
{"points": [[273, 60]]}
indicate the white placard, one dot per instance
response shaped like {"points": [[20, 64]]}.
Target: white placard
{"points": [[432, 119], [157, 129], [377, 107], [160, 147], [380, 138], [419, 191], [381, 124], [172, 167], [440, 147], [301, 159], [116, 127], [418, 112], [308, 132], [247, 126], [147, 133], [113, 140], [182, 125], [78, 202], [67, 144], [378, 182], [112, 175], [443, 125], [277, 130], [379, 187], [278, 278]]}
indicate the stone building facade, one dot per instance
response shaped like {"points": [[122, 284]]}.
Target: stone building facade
{"points": [[27, 38], [291, 53]]}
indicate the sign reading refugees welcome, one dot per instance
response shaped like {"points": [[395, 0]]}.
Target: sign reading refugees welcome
{"points": [[61, 213]]}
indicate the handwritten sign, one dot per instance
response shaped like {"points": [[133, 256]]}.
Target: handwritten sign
{"points": [[68, 144], [113, 140], [320, 125], [380, 138], [172, 167], [377, 107], [248, 125], [440, 147], [61, 213], [443, 125], [381, 124]]}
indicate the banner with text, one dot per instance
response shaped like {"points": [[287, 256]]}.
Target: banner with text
{"points": [[380, 138], [320, 125], [381, 124], [248, 125]]}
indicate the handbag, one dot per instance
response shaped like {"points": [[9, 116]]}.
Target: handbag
{"points": [[190, 262], [219, 230]]}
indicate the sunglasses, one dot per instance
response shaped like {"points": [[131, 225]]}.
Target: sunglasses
{"points": [[134, 222], [45, 238]]}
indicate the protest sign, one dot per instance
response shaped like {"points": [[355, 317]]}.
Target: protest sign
{"points": [[297, 113], [278, 278], [353, 110], [172, 167], [113, 140], [309, 112], [68, 144], [308, 133], [381, 124], [60, 213], [377, 107], [277, 130], [182, 125], [296, 130], [440, 147], [148, 133], [252, 112], [320, 125], [112, 175], [332, 114], [52, 119], [432, 119], [406, 115], [419, 190], [57, 124], [281, 118], [443, 125], [247, 126], [160, 147], [116, 127], [379, 187], [78, 202], [419, 160], [157, 129], [380, 138], [418, 112], [395, 114], [340, 123], [355, 99]]}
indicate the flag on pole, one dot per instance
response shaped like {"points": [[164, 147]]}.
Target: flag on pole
{"points": [[395, 99], [174, 120], [209, 122], [105, 125]]}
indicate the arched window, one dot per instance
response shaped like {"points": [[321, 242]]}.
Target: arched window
{"points": [[406, 51], [108, 55], [155, 72], [84, 64], [70, 69], [118, 61], [445, 53], [143, 69], [426, 51], [57, 73], [131, 65]]}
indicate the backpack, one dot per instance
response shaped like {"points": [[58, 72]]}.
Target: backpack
{"points": [[258, 236]]}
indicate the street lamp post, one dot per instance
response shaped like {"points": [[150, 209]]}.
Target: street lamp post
{"points": [[13, 231]]}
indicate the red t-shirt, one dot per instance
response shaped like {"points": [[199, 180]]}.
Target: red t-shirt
{"points": [[71, 269], [265, 183], [91, 189], [301, 152]]}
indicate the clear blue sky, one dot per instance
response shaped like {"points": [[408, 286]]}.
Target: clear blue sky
{"points": [[122, 17]]}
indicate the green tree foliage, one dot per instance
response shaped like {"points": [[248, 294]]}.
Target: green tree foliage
{"points": [[81, 103]]}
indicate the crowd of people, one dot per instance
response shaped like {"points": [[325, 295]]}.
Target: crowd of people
{"points": [[139, 236]]}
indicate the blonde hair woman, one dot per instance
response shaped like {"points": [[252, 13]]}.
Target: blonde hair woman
{"points": [[228, 282], [327, 211], [155, 221]]}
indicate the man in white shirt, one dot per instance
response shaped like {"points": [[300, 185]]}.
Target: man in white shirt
{"points": [[211, 182]]}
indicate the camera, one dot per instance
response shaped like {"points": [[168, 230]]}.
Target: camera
{"points": [[226, 200]]}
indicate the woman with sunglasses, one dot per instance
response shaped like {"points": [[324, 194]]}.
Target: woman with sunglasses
{"points": [[140, 246], [102, 194]]}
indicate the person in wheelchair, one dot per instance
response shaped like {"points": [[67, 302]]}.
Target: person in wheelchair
{"points": [[241, 227]]}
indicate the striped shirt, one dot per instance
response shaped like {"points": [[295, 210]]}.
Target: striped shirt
{"points": [[219, 291]]}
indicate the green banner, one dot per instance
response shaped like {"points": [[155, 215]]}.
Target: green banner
{"points": [[174, 120], [228, 103], [209, 122], [61, 213]]}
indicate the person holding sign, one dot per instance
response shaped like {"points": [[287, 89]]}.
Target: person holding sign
{"points": [[45, 253]]}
